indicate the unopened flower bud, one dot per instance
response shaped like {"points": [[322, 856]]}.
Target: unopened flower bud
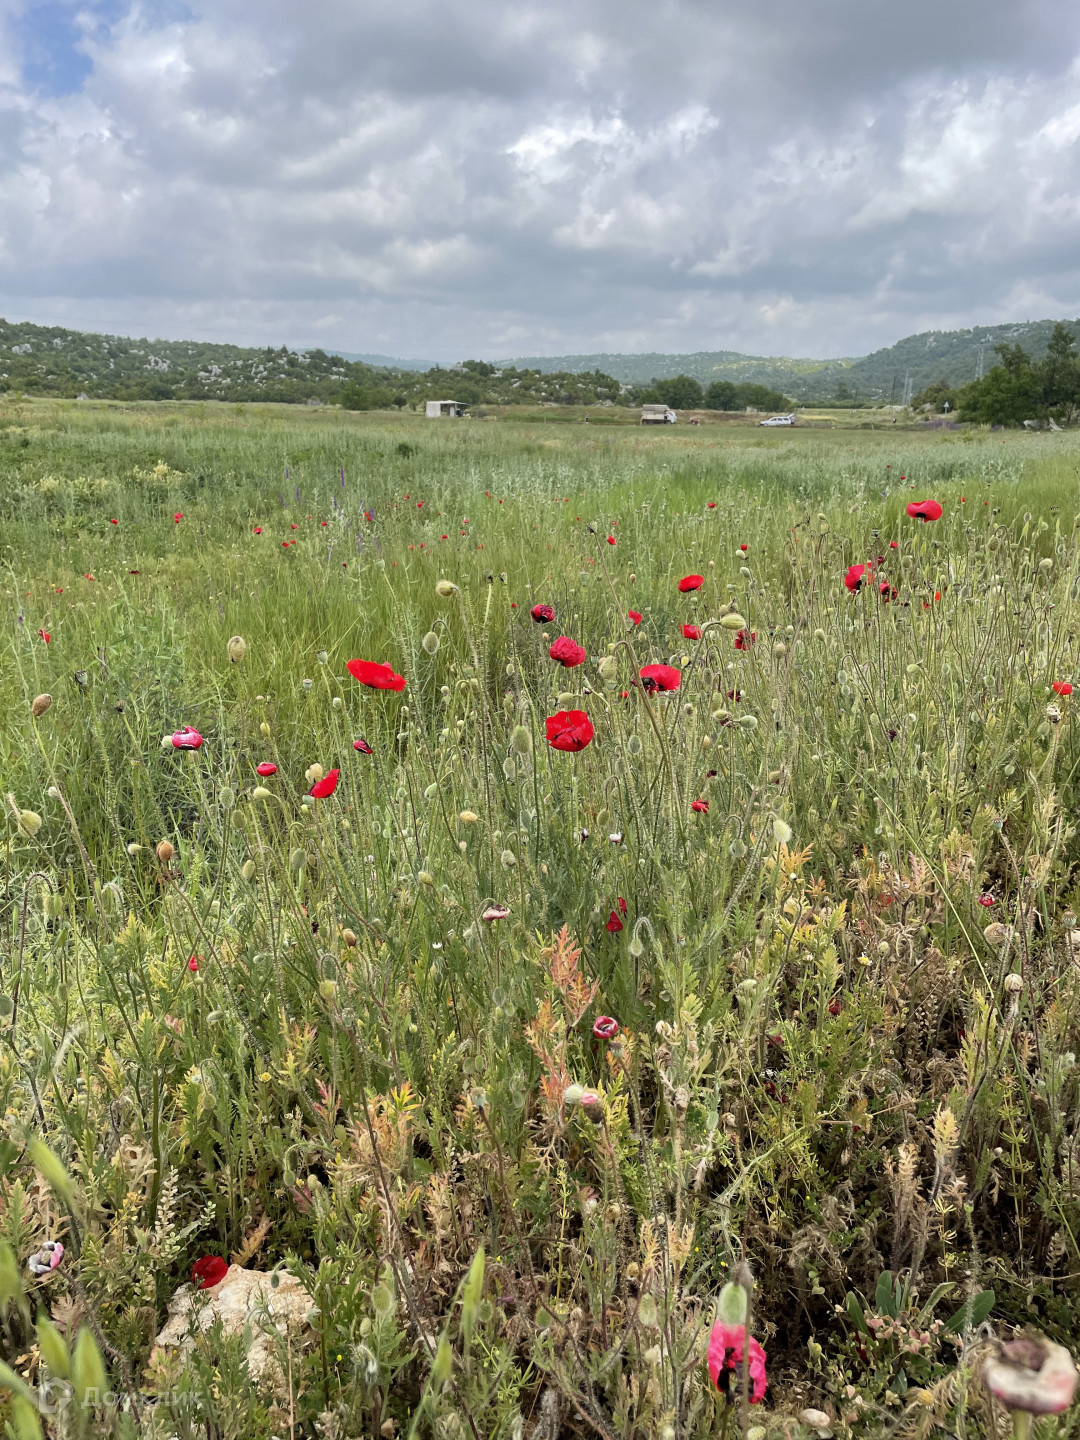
{"points": [[521, 739], [430, 642], [247, 870], [349, 936], [426, 878], [734, 621], [164, 851], [445, 589], [313, 773], [40, 705], [237, 648], [297, 860], [264, 728], [468, 817], [260, 793], [30, 823]]}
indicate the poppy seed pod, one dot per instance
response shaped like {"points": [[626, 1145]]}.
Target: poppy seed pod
{"points": [[237, 648], [164, 851], [40, 705], [445, 589], [430, 642], [521, 740]]}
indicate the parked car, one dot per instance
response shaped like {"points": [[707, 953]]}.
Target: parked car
{"points": [[778, 420]]}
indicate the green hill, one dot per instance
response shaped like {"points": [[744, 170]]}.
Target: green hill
{"points": [[886, 375]]}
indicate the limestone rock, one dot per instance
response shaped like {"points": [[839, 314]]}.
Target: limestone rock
{"points": [[243, 1297]]}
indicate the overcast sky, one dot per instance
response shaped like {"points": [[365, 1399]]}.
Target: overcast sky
{"points": [[500, 177]]}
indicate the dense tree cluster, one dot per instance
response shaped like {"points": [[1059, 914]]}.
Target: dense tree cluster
{"points": [[1018, 388], [683, 392]]}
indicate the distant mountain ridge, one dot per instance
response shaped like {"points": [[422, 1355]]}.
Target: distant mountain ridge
{"points": [[891, 374]]}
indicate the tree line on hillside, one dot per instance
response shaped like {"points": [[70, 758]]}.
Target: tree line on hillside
{"points": [[1017, 389]]}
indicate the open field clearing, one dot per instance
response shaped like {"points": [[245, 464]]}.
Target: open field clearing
{"points": [[682, 898]]}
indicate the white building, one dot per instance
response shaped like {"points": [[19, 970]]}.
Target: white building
{"points": [[439, 409]]}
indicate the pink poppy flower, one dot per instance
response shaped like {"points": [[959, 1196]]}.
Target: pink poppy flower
{"points": [[186, 738], [726, 1344]]}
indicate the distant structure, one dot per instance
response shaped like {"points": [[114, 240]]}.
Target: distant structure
{"points": [[657, 415], [444, 409]]}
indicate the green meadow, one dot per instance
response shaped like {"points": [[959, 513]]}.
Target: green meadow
{"points": [[826, 890]]}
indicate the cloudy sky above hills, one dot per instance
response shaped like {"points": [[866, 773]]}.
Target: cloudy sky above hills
{"points": [[481, 178]]}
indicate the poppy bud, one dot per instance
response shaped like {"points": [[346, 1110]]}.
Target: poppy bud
{"points": [[781, 831], [264, 728], [508, 859], [40, 705], [327, 989], [430, 642], [733, 621], [237, 648], [297, 860], [349, 936], [313, 772], [260, 793], [30, 822], [819, 635], [52, 904], [744, 572], [164, 851], [747, 722], [445, 588], [426, 878], [247, 870], [634, 745], [572, 1094], [468, 817], [227, 797], [509, 768], [521, 740], [592, 1106]]}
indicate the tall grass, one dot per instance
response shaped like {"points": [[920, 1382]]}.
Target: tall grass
{"points": [[298, 1025]]}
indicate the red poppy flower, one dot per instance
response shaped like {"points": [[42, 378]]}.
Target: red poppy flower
{"points": [[294, 526], [712, 504], [326, 786], [726, 1348], [924, 509], [634, 616], [193, 963], [44, 634], [362, 746], [743, 547], [611, 539], [114, 522], [856, 575], [1059, 687], [622, 906], [893, 545], [744, 639], [986, 901], [887, 591], [660, 677], [178, 516], [569, 730], [614, 924], [542, 614], [691, 582], [700, 806], [266, 768], [375, 676], [284, 544], [691, 632], [257, 530], [567, 652], [186, 738], [605, 1027], [208, 1272]]}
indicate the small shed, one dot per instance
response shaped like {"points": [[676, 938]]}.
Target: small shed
{"points": [[444, 409]]}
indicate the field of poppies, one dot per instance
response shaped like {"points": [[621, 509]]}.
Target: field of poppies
{"points": [[591, 915]]}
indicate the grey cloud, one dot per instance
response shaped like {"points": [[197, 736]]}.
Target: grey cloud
{"points": [[471, 178]]}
